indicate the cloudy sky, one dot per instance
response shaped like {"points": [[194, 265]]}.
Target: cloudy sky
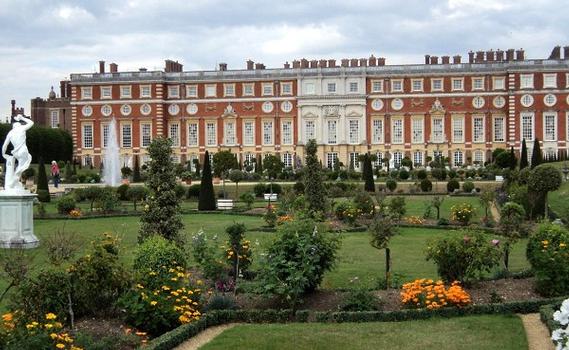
{"points": [[43, 41]]}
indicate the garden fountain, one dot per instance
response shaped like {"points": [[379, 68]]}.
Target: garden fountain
{"points": [[111, 168]]}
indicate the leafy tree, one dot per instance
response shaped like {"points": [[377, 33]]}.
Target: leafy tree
{"points": [[536, 156], [207, 195], [524, 155], [382, 228], [92, 194], [391, 184], [273, 165], [511, 226], [437, 202], [486, 198], [367, 174], [248, 198], [136, 171], [68, 171], [314, 187], [236, 176], [136, 194], [543, 179], [161, 215], [43, 189], [223, 162]]}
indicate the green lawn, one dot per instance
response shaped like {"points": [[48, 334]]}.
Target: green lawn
{"points": [[557, 200], [474, 332], [416, 206]]}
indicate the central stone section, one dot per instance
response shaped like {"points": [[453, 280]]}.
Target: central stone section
{"points": [[16, 220]]}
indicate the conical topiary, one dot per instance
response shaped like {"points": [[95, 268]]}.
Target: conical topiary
{"points": [[207, 195], [43, 189]]}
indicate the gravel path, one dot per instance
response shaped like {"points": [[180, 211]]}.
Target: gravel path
{"points": [[204, 337], [536, 332]]}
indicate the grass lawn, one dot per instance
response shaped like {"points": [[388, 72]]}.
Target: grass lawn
{"points": [[557, 200], [474, 332], [416, 206]]}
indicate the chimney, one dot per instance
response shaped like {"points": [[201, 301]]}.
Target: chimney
{"points": [[259, 66], [490, 55], [13, 102], [456, 59], [372, 61], [499, 55], [286, 65], [470, 57], [566, 52], [114, 67], [363, 62], [427, 59], [434, 60], [142, 69], [345, 62], [223, 67], [353, 62], [555, 53], [446, 59], [479, 56], [304, 63], [313, 63], [101, 67], [250, 65], [520, 55], [296, 64], [510, 55], [63, 88], [322, 63], [332, 63], [381, 61]]}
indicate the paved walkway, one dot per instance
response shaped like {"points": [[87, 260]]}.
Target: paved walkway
{"points": [[537, 333], [204, 337]]}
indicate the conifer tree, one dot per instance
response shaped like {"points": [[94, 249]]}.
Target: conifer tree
{"points": [[314, 188], [136, 171], [368, 174], [259, 164], [513, 159], [536, 156], [43, 189], [524, 155], [207, 195]]}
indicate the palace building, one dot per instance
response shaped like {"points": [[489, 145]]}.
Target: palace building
{"points": [[444, 106]]}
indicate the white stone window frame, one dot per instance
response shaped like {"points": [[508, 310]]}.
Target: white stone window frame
{"points": [[287, 159], [142, 88], [329, 135], [143, 136], [126, 110], [125, 91], [502, 81], [147, 107], [309, 88], [331, 87], [287, 106], [435, 138], [545, 131], [358, 135], [458, 158], [393, 124], [173, 91], [268, 89], [418, 158], [456, 128], [553, 83], [105, 130], [531, 117], [549, 100], [289, 87], [379, 83], [306, 129], [377, 138], [109, 89], [248, 86], [87, 111], [246, 138], [455, 88], [526, 81], [417, 122], [474, 81], [84, 139], [122, 134], [192, 90], [503, 127], [331, 159], [86, 92], [483, 129], [475, 154], [350, 85], [397, 82], [229, 90], [442, 88], [211, 141], [478, 102], [197, 135], [417, 89], [499, 101], [268, 141], [208, 91], [106, 110], [527, 100], [230, 133], [287, 139]]}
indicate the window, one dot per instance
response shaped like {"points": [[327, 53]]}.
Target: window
{"points": [[145, 91], [87, 93], [353, 86], [378, 163], [267, 107], [397, 85], [126, 135], [87, 161], [478, 102], [87, 111], [193, 158], [125, 110], [211, 134], [457, 84], [478, 129], [248, 89], [549, 80], [526, 81], [173, 109], [106, 92], [309, 130], [417, 84], [249, 133], [377, 104], [146, 134], [458, 130], [249, 161], [267, 133], [437, 130], [174, 134], [332, 132], [267, 89], [191, 91], [437, 84], [354, 160], [210, 90], [499, 129], [354, 131], [499, 101], [54, 119], [397, 157], [499, 83], [377, 86], [309, 89], [228, 89], [286, 132], [126, 91], [286, 106], [550, 129], [418, 158], [478, 157], [106, 129], [287, 160], [87, 136], [478, 83], [549, 100], [286, 88], [331, 87], [106, 110], [331, 160], [377, 131], [397, 131], [193, 134], [230, 133], [417, 130], [526, 100], [397, 104], [527, 126], [458, 158], [173, 91]]}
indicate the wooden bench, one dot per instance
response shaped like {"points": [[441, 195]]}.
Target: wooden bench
{"points": [[225, 204], [271, 197]]}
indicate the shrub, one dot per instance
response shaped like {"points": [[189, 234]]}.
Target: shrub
{"points": [[121, 192], [452, 185], [221, 302], [364, 203], [467, 186], [248, 198], [463, 257], [341, 208], [206, 200], [270, 216], [238, 253], [548, 254], [426, 185], [152, 255], [439, 173], [433, 295], [43, 196], [107, 199], [298, 187], [180, 191], [421, 174], [276, 188], [137, 194], [442, 222], [470, 173], [359, 300], [193, 191], [65, 204], [204, 255], [397, 207], [462, 213], [391, 184], [452, 174], [259, 189], [403, 174]]}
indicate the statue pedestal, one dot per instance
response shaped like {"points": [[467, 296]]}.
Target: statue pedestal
{"points": [[17, 219]]}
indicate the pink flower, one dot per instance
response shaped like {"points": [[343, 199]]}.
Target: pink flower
{"points": [[495, 242]]}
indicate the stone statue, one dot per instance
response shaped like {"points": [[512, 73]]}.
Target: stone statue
{"points": [[20, 154]]}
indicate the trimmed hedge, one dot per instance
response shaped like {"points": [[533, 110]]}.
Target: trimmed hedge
{"points": [[546, 315], [181, 334]]}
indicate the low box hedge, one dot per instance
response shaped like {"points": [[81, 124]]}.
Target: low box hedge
{"points": [[546, 315]]}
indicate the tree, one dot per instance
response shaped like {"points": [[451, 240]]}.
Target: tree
{"points": [[68, 171], [313, 185], [382, 228], [367, 174], [197, 166], [161, 215], [259, 164], [486, 198], [524, 155], [536, 156], [236, 176], [43, 189], [92, 194], [437, 202], [223, 161], [207, 196], [543, 179], [513, 159], [511, 220], [136, 194], [273, 166], [136, 171]]}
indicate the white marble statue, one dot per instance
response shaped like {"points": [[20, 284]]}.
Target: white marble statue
{"points": [[20, 154]]}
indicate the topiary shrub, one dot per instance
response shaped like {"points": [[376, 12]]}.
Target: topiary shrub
{"points": [[121, 192], [452, 174], [248, 198], [276, 188], [364, 203], [360, 300], [426, 185], [299, 188], [403, 174], [65, 204], [180, 191], [391, 184], [193, 192], [221, 302], [421, 174], [259, 189], [439, 173], [452, 185], [43, 195], [467, 186]]}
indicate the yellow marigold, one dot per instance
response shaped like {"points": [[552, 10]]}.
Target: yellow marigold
{"points": [[50, 316], [153, 302], [60, 346], [7, 317], [53, 336]]}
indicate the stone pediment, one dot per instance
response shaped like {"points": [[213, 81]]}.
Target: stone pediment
{"points": [[309, 115], [331, 110], [354, 114], [437, 107], [229, 111]]}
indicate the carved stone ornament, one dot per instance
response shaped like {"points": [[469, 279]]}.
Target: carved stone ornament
{"points": [[417, 102], [248, 107], [437, 106], [210, 108], [229, 111], [331, 111], [457, 101]]}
